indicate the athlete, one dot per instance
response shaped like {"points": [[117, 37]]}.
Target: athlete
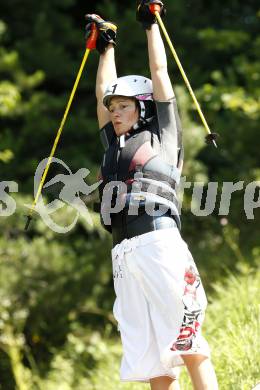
{"points": [[160, 301]]}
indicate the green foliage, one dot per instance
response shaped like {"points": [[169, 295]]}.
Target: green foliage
{"points": [[6, 155], [49, 286], [56, 291], [224, 40], [233, 324]]}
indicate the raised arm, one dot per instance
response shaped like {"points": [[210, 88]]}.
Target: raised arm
{"points": [[158, 65], [105, 74], [106, 69], [157, 57]]}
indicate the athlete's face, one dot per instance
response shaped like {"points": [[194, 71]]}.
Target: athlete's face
{"points": [[124, 114]]}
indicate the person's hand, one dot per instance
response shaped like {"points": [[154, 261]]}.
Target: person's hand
{"points": [[106, 31], [144, 15]]}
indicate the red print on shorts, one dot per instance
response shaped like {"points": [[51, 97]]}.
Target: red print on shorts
{"points": [[192, 312]]}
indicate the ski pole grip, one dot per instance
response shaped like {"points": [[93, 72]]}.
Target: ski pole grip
{"points": [[92, 40], [154, 8]]}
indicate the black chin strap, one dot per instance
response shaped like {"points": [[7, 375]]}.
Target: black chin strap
{"points": [[147, 113]]}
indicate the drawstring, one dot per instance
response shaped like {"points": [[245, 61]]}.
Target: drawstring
{"points": [[126, 246], [122, 141]]}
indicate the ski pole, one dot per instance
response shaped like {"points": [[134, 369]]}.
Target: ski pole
{"points": [[155, 9], [90, 45]]}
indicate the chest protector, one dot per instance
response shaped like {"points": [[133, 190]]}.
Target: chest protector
{"points": [[149, 180]]}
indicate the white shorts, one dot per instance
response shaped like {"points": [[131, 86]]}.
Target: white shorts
{"points": [[160, 304]]}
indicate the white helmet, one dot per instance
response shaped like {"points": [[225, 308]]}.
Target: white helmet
{"points": [[138, 87]]}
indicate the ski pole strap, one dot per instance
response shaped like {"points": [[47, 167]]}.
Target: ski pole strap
{"points": [[154, 9]]}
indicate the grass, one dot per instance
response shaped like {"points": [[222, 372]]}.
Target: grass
{"points": [[233, 329]]}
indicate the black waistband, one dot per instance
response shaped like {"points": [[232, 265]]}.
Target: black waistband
{"points": [[128, 226]]}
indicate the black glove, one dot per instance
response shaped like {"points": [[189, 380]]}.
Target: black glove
{"points": [[106, 31], [144, 15]]}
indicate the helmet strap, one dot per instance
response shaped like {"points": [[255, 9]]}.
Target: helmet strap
{"points": [[122, 141], [147, 113]]}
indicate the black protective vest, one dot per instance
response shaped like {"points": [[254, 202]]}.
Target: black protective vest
{"points": [[139, 165]]}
